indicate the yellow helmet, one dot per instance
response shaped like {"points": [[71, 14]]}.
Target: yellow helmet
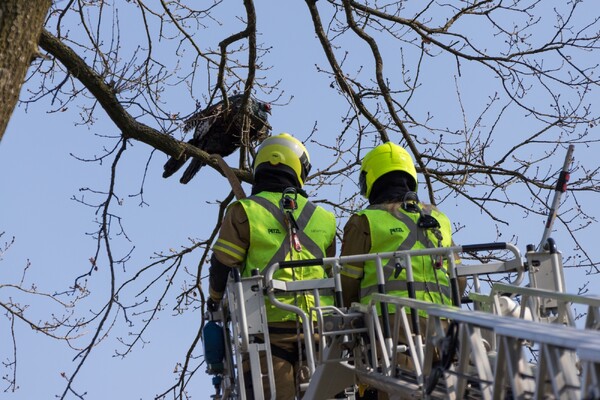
{"points": [[284, 149], [386, 157]]}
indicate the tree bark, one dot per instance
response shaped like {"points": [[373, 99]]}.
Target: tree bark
{"points": [[21, 22]]}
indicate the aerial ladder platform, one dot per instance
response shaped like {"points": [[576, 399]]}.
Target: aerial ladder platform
{"points": [[515, 340], [519, 339]]}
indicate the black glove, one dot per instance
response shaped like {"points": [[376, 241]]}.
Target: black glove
{"points": [[212, 305]]}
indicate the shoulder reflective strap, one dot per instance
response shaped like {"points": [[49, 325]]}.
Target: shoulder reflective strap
{"points": [[271, 208], [302, 220], [411, 239], [407, 244], [307, 213]]}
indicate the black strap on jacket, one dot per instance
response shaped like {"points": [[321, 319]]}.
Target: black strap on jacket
{"points": [[291, 357]]}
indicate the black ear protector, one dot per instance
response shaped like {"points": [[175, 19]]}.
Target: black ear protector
{"points": [[362, 183], [305, 166]]}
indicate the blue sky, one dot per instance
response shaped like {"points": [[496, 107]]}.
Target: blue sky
{"points": [[42, 176]]}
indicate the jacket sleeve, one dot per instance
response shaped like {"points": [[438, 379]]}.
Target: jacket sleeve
{"points": [[217, 278], [331, 250], [229, 251], [356, 240]]}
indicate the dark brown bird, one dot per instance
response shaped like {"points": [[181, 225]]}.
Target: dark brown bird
{"points": [[218, 130]]}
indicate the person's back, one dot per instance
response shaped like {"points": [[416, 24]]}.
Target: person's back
{"points": [[394, 221], [276, 223], [269, 243], [390, 227]]}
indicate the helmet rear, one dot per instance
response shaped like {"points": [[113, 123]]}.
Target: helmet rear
{"points": [[386, 157], [287, 151]]}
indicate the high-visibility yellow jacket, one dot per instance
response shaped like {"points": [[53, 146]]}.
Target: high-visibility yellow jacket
{"points": [[270, 243], [391, 229]]}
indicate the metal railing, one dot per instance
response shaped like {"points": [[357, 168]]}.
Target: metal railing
{"points": [[358, 344]]}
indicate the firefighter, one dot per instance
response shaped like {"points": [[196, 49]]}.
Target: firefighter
{"points": [[276, 223], [391, 222]]}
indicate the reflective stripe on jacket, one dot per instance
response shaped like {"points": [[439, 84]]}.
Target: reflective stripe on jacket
{"points": [[270, 243], [392, 229]]}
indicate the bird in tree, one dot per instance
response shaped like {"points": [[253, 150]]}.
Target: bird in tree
{"points": [[219, 129]]}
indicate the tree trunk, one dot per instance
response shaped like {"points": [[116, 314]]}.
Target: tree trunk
{"points": [[21, 22]]}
